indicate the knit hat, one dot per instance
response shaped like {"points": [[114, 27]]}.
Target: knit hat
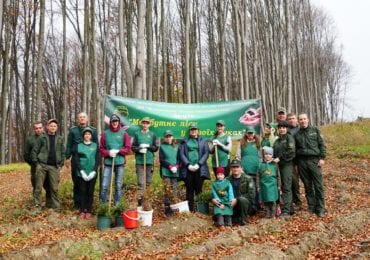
{"points": [[268, 150]]}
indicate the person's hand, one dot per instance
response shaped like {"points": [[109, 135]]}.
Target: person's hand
{"points": [[143, 150], [321, 163], [216, 142], [113, 153], [191, 168], [233, 202], [196, 167], [222, 206], [173, 169], [276, 160], [144, 145], [91, 175], [84, 175]]}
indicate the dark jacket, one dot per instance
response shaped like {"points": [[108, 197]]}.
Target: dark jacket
{"points": [[40, 151], [203, 156], [284, 148], [246, 187], [29, 144], [75, 137], [309, 143]]}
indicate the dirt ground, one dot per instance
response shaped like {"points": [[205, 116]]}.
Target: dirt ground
{"points": [[343, 234]]}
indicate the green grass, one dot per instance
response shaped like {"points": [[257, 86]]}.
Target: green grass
{"points": [[14, 167]]}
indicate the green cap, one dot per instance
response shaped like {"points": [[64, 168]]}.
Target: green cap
{"points": [[235, 162], [193, 126], [145, 119], [250, 130], [167, 133], [114, 118], [220, 122], [87, 129]]}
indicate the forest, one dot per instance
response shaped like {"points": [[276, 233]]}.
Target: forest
{"points": [[60, 57]]}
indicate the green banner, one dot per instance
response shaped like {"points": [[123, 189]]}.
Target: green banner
{"points": [[238, 115]]}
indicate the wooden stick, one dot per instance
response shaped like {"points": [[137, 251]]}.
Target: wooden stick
{"points": [[216, 154], [111, 184]]}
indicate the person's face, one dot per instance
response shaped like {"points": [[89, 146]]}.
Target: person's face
{"points": [[220, 176], [281, 116], [267, 157], [267, 130], [292, 121], [236, 171], [282, 130], [168, 139], [193, 133], [250, 135], [220, 128], [87, 136], [115, 124], [82, 119], [52, 128], [303, 121], [38, 129], [145, 125]]}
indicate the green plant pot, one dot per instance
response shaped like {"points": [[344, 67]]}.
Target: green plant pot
{"points": [[104, 222], [118, 221], [203, 207]]}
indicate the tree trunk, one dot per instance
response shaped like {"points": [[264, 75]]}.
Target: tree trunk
{"points": [[40, 61], [140, 59]]}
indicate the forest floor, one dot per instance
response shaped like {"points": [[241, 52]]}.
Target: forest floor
{"points": [[344, 233]]}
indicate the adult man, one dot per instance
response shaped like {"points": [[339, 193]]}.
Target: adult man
{"points": [[310, 155], [280, 116], [114, 146], [284, 150], [244, 193], [38, 130], [144, 146], [293, 129], [74, 138], [48, 155]]}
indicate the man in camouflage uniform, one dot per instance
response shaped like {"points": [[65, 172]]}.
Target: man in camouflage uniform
{"points": [[310, 155], [74, 138], [244, 193]]}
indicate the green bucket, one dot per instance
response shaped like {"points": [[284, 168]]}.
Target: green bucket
{"points": [[203, 207], [118, 221], [104, 222]]}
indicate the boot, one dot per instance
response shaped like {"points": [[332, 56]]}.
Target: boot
{"points": [[228, 221], [220, 221], [167, 210]]}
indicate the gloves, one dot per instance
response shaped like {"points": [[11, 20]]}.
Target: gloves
{"points": [[196, 167], [191, 168], [84, 176], [216, 142], [113, 153], [143, 150], [144, 145], [91, 175], [173, 169]]}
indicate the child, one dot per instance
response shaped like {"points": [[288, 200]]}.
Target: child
{"points": [[267, 182], [87, 162], [223, 194], [169, 166]]}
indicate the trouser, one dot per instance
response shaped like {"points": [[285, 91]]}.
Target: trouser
{"points": [[194, 184], [223, 220], [118, 179], [312, 179], [87, 194], [142, 178], [296, 197], [75, 180], [51, 172], [170, 190], [241, 209], [45, 185], [286, 174], [256, 202], [270, 208]]}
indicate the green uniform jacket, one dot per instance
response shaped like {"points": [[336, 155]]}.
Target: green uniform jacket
{"points": [[246, 187], [284, 148], [40, 151], [29, 144], [75, 137], [222, 191], [309, 143], [268, 182], [250, 158]]}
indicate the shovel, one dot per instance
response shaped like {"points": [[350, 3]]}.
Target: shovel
{"points": [[111, 184], [217, 163]]}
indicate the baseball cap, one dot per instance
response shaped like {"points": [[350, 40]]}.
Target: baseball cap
{"points": [[281, 110], [235, 162], [53, 120], [167, 133], [193, 126], [220, 122], [145, 119]]}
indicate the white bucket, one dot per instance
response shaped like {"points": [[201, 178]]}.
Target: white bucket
{"points": [[145, 217], [180, 207]]}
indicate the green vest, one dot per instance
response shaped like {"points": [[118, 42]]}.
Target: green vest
{"points": [[144, 138], [114, 140], [170, 155], [223, 157], [193, 151], [250, 158], [87, 155], [222, 189], [268, 182]]}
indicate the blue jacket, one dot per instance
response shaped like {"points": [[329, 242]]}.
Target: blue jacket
{"points": [[203, 156]]}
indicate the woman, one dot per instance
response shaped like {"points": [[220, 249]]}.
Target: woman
{"points": [[248, 152], [87, 162], [222, 144], [193, 153]]}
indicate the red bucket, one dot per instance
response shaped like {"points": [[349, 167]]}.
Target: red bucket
{"points": [[130, 219]]}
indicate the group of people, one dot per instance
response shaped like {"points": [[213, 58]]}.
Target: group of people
{"points": [[261, 169]]}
